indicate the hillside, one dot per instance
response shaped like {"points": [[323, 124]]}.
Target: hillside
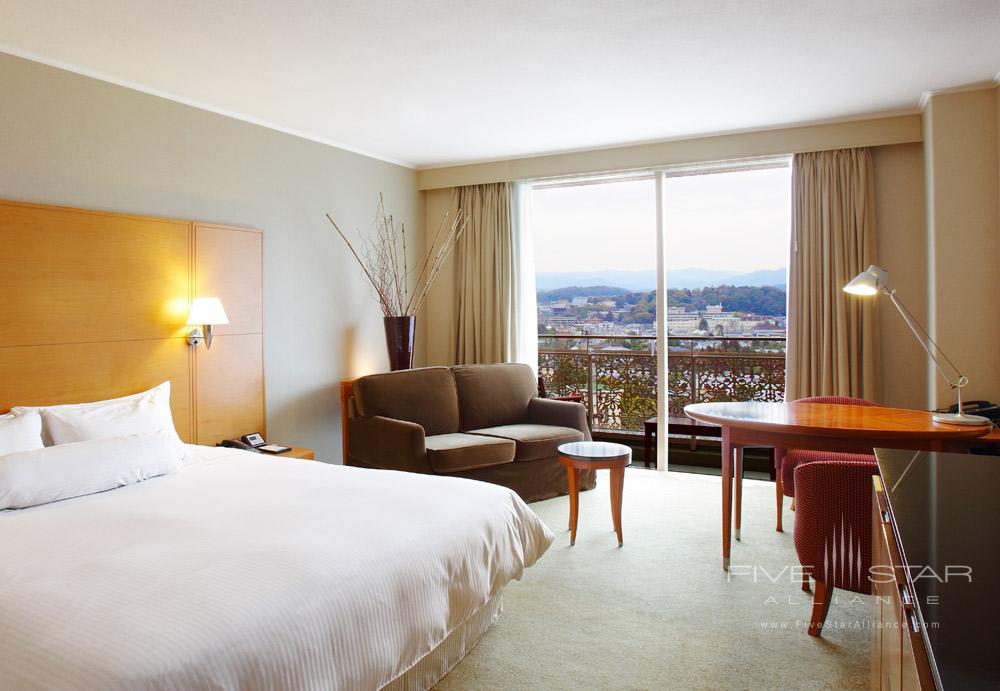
{"points": [[580, 291], [762, 300]]}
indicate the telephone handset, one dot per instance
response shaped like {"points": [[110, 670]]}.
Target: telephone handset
{"points": [[236, 444]]}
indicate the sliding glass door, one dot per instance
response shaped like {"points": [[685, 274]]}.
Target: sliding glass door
{"points": [[596, 269], [660, 288]]}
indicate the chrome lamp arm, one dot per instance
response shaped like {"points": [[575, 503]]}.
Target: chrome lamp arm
{"points": [[959, 380], [876, 280]]}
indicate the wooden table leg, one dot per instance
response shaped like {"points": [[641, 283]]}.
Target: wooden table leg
{"points": [[779, 490], [573, 477], [727, 495], [648, 434], [738, 480], [617, 486]]}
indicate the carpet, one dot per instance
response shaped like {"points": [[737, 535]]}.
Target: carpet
{"points": [[659, 613]]}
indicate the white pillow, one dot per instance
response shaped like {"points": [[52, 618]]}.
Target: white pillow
{"points": [[30, 478], [20, 432], [139, 413]]}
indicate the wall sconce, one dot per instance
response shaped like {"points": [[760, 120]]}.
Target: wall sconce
{"points": [[205, 313]]}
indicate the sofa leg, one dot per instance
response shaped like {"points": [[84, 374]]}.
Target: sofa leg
{"points": [[821, 605]]}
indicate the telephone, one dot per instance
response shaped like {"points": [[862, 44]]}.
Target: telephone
{"points": [[254, 442], [984, 408]]}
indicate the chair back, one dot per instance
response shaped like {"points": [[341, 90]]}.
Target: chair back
{"points": [[833, 535], [837, 400]]}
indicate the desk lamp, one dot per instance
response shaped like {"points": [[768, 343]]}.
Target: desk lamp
{"points": [[876, 280]]}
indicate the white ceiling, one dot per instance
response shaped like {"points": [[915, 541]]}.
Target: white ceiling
{"points": [[436, 82]]}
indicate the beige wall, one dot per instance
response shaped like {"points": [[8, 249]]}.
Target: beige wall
{"points": [[440, 310], [67, 139], [963, 236], [902, 250]]}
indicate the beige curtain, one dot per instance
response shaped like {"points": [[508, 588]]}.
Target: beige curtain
{"points": [[485, 264], [831, 335]]}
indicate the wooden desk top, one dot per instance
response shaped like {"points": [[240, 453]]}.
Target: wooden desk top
{"points": [[832, 420]]}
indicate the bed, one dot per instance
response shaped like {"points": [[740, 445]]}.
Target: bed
{"points": [[253, 572]]}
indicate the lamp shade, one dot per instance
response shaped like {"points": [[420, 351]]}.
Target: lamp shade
{"points": [[868, 282], [206, 311]]}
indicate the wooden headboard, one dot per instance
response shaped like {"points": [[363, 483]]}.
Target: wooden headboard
{"points": [[95, 304]]}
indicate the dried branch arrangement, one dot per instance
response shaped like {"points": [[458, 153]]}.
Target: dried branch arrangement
{"points": [[382, 256]]}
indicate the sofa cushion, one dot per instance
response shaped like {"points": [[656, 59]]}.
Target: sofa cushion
{"points": [[453, 453], [533, 441], [494, 395], [426, 396]]}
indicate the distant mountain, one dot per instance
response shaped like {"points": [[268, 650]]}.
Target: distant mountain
{"points": [[629, 280], [705, 278], [646, 280]]}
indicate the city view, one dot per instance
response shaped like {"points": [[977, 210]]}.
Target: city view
{"points": [[725, 310], [597, 304]]}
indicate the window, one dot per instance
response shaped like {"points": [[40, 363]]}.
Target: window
{"points": [[724, 232]]}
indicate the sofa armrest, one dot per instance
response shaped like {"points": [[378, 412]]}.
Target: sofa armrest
{"points": [[387, 443], [546, 411]]}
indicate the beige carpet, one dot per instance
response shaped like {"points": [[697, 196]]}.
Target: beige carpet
{"points": [[659, 613]]}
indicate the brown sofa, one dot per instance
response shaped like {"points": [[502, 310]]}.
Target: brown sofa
{"points": [[483, 422]]}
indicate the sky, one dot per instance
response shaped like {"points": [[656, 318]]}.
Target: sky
{"points": [[735, 221]]}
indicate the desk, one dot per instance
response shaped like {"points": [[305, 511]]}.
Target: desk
{"points": [[818, 427]]}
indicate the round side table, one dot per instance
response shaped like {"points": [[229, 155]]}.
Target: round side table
{"points": [[595, 455]]}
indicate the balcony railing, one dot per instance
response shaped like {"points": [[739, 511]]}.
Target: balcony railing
{"points": [[616, 375]]}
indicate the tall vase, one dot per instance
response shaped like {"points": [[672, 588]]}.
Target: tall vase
{"points": [[399, 333]]}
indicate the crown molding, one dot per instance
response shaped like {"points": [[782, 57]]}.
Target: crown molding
{"points": [[974, 86]]}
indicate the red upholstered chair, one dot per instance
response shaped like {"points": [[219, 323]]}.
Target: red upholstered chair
{"points": [[833, 534], [786, 460]]}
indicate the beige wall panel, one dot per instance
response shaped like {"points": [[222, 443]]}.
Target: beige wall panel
{"points": [[80, 372], [84, 277], [439, 309], [230, 388], [902, 250], [228, 266], [961, 139]]}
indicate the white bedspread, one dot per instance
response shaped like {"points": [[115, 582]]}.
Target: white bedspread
{"points": [[251, 572]]}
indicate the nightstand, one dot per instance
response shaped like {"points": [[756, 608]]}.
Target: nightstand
{"points": [[297, 452]]}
